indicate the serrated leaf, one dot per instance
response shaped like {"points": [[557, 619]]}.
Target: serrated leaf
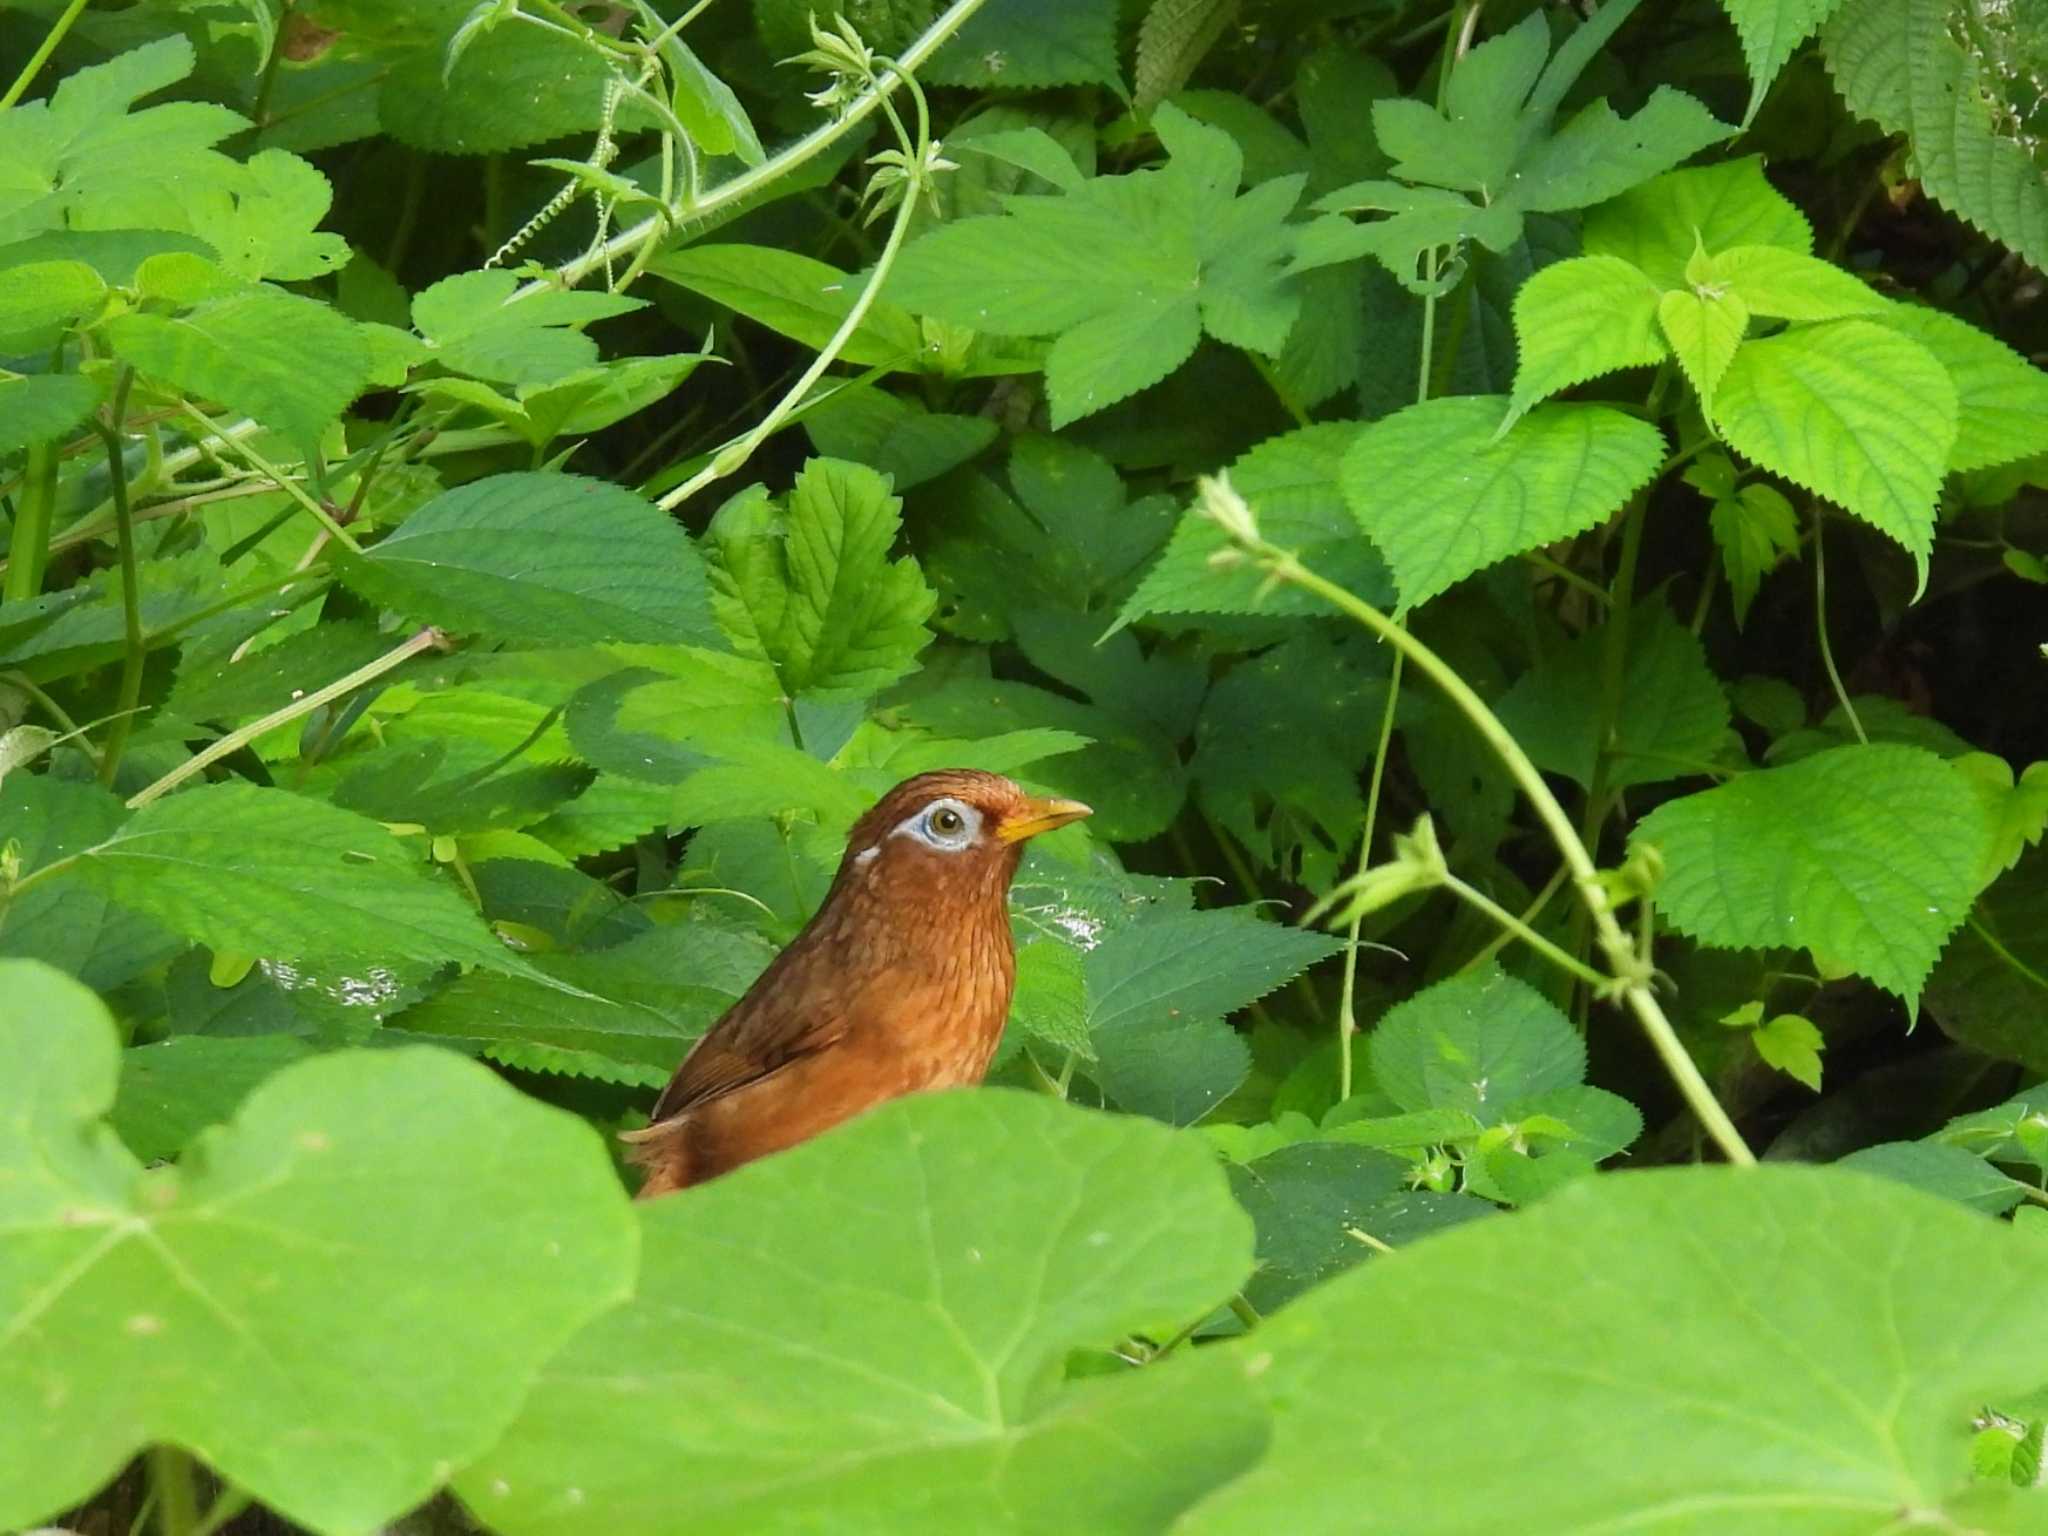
{"points": [[1852, 411], [1576, 320], [176, 1088], [1792, 1045], [1659, 225], [2001, 398], [1477, 1042], [1897, 61], [1306, 1201], [475, 326], [301, 1253], [1756, 530], [906, 1365], [1172, 39], [1771, 31], [1126, 272], [264, 872], [1704, 330], [1788, 285], [291, 363], [40, 408], [797, 296], [1050, 1003], [1865, 855], [1195, 965], [1443, 496], [266, 225], [1947, 1172], [811, 587], [1293, 485], [526, 554], [1750, 1375], [1672, 715]]}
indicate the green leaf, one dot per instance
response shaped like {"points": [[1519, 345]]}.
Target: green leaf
{"points": [[1293, 485], [1897, 61], [1305, 1202], [803, 299], [542, 555], [1050, 1003], [227, 683], [1990, 990], [1750, 1375], [906, 1365], [1576, 320], [41, 294], [292, 363], [1172, 39], [2001, 398], [40, 408], [475, 326], [1865, 856], [263, 872], [1477, 1042], [644, 1001], [810, 586], [265, 226], [301, 1254], [1945, 1171], [1792, 1045], [1659, 225], [1029, 44], [1756, 531], [173, 1090], [1443, 496], [1705, 331], [1672, 713], [1127, 271], [908, 444], [1771, 31], [1788, 285], [660, 722], [1852, 411]]}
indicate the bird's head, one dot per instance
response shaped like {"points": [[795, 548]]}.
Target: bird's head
{"points": [[955, 831]]}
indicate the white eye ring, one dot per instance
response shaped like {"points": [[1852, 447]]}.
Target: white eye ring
{"points": [[946, 825]]}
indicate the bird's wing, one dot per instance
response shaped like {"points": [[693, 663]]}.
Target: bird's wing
{"points": [[755, 1040]]}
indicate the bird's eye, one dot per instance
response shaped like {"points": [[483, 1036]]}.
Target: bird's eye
{"points": [[947, 822]]}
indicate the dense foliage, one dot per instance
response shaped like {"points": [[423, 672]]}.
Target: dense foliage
{"points": [[1526, 521]]}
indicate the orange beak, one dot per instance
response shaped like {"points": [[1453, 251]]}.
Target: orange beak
{"points": [[1037, 815]]}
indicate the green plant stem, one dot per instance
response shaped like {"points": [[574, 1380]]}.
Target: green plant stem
{"points": [[29, 553], [730, 459], [171, 1480], [41, 56], [1347, 997], [72, 730], [229, 1503], [726, 194], [1630, 981], [130, 694], [235, 740], [1820, 620], [266, 84], [1530, 913], [1245, 1312], [278, 478], [1512, 926]]}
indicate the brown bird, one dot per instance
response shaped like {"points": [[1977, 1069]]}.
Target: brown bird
{"points": [[900, 983]]}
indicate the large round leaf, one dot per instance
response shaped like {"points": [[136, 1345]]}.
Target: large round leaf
{"points": [[867, 1333], [1774, 1352], [334, 1299]]}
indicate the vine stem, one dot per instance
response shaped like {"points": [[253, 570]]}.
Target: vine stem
{"points": [[41, 56], [1820, 620], [132, 649], [730, 459], [176, 1490], [728, 193], [1512, 926], [278, 478], [426, 640], [1631, 980]]}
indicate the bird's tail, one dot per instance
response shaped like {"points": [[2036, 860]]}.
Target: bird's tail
{"points": [[663, 1150]]}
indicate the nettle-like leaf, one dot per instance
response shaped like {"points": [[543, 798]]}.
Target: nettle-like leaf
{"points": [[2001, 398], [1756, 531], [1127, 272], [1749, 1376], [1476, 170], [905, 1364], [1853, 411], [265, 226], [174, 1089], [1660, 226], [1771, 32], [588, 400], [1865, 856], [42, 408], [1293, 485], [1158, 991], [542, 555], [1900, 63], [1672, 716], [1443, 494], [264, 872], [1578, 319], [290, 362], [664, 716], [797, 296], [809, 586], [301, 1255], [473, 325], [900, 438]]}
